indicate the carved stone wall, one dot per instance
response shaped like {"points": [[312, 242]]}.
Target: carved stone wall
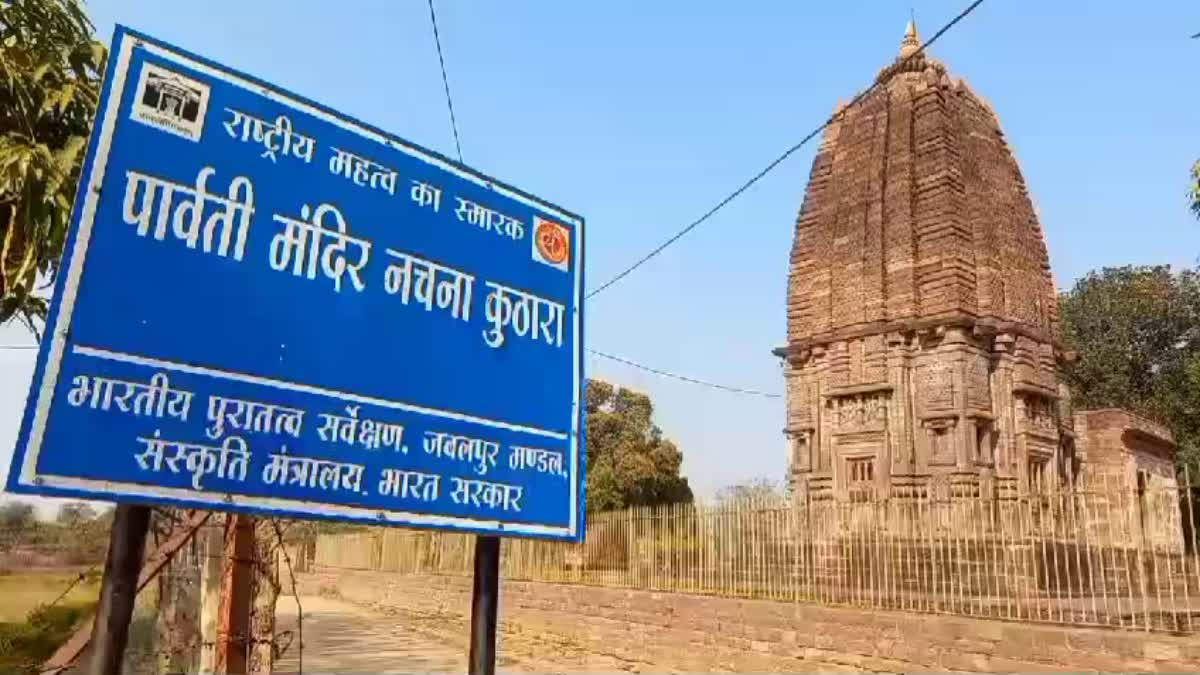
{"points": [[921, 312], [922, 326], [916, 209], [948, 406], [1133, 460]]}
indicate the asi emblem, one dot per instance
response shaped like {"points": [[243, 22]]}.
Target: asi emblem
{"points": [[551, 243], [171, 102]]}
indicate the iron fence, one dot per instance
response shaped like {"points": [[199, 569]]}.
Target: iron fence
{"points": [[1104, 554]]}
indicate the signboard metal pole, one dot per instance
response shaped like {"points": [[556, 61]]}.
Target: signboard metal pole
{"points": [[118, 591], [485, 596]]}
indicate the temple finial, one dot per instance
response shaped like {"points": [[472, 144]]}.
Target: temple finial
{"points": [[911, 41]]}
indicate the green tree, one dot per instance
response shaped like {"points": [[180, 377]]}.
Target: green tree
{"points": [[16, 515], [1194, 192], [1135, 332], [50, 69], [87, 541], [629, 461], [754, 490]]}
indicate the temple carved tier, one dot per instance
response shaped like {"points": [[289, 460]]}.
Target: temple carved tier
{"points": [[922, 344]]}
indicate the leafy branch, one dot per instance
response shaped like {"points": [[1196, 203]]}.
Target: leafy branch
{"points": [[50, 66]]}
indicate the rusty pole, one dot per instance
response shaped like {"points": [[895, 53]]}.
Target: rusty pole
{"points": [[233, 632]]}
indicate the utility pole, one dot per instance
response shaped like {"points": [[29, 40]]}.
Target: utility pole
{"points": [[118, 591]]}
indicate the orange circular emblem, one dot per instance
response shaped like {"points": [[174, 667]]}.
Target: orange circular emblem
{"points": [[552, 242]]}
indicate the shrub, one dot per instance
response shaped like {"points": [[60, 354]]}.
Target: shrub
{"points": [[25, 646]]}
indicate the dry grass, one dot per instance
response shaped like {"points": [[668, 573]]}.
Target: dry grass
{"points": [[25, 591]]}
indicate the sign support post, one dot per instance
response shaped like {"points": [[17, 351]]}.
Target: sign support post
{"points": [[110, 632], [485, 596]]}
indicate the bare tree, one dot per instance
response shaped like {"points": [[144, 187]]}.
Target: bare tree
{"points": [[72, 514]]}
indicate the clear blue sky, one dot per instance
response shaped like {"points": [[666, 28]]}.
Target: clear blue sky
{"points": [[641, 115]]}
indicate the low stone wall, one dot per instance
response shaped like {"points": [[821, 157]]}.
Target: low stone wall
{"points": [[589, 627]]}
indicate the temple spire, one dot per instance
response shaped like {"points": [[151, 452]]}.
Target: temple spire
{"points": [[911, 41]]}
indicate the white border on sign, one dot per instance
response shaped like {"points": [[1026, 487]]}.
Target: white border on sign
{"points": [[57, 332]]}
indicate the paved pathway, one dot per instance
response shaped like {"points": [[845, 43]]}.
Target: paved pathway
{"points": [[343, 638]]}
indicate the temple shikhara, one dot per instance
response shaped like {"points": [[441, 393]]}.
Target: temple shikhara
{"points": [[922, 345]]}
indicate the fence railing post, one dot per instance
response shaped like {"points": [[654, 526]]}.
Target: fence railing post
{"points": [[1074, 554]]}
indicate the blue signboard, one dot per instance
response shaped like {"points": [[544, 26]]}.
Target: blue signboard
{"points": [[267, 306]]}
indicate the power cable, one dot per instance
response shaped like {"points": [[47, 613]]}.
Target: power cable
{"points": [[454, 127], [691, 226], [778, 160], [685, 378], [445, 80], [611, 357], [735, 194]]}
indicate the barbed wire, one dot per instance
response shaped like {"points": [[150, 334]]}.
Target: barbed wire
{"points": [[79, 578], [296, 594]]}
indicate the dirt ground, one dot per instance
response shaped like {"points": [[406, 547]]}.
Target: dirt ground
{"points": [[344, 638], [347, 638]]}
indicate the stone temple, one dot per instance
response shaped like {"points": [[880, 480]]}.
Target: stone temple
{"points": [[922, 344]]}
